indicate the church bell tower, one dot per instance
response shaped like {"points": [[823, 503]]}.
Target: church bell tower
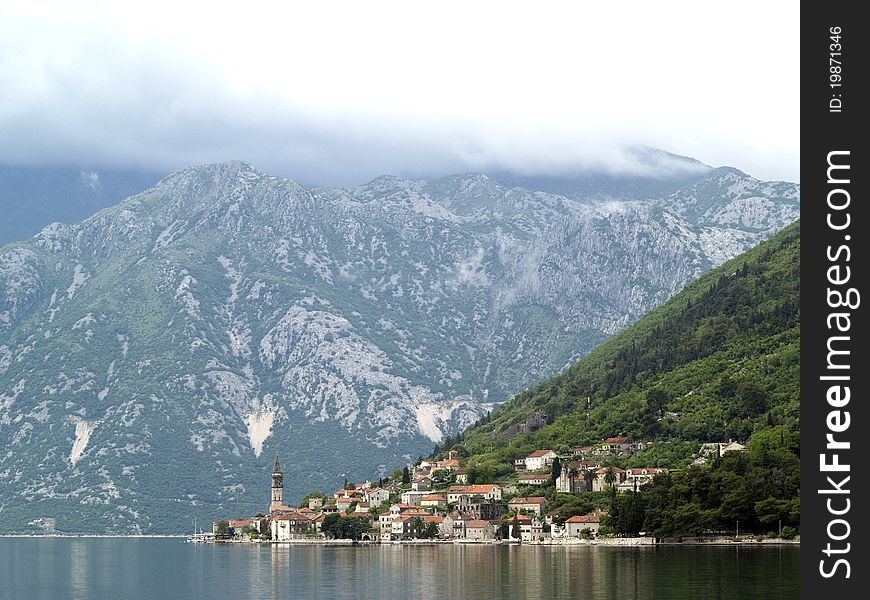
{"points": [[277, 485]]}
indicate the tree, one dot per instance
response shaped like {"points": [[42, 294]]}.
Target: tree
{"points": [[657, 401], [610, 476], [222, 529], [557, 470], [330, 527], [352, 528], [771, 510], [406, 475], [515, 531], [429, 531], [751, 399]]}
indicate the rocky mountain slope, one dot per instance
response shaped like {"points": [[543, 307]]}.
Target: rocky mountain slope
{"points": [[155, 356]]}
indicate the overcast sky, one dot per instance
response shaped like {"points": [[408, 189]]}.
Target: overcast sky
{"points": [[328, 92]]}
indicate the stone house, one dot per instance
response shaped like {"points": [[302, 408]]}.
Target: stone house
{"points": [[571, 479], [534, 504], [642, 475], [488, 491], [480, 530], [540, 459], [413, 497], [377, 496], [292, 526], [421, 484], [600, 483], [531, 529], [445, 524], [478, 507], [461, 476], [574, 525], [434, 500]]}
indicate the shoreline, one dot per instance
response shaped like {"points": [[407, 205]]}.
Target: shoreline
{"points": [[609, 542]]}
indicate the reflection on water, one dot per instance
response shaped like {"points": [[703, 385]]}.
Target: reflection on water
{"points": [[141, 569]]}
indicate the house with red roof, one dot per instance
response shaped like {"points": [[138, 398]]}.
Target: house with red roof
{"points": [[488, 491], [574, 525], [434, 500], [638, 476], [479, 530], [377, 496], [540, 459], [293, 526], [421, 484], [533, 504], [604, 474], [530, 528]]}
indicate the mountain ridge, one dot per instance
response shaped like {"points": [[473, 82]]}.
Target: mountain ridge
{"points": [[226, 313]]}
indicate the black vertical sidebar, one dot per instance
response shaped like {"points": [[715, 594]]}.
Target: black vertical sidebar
{"points": [[834, 265]]}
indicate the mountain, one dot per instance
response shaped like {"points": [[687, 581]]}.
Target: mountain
{"points": [[33, 197], [156, 355], [719, 361]]}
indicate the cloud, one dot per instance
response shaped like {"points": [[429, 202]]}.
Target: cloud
{"points": [[340, 93]]}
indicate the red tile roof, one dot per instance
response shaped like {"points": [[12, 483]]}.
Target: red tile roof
{"points": [[603, 470], [529, 500], [471, 489], [584, 519], [433, 497], [539, 453], [520, 519], [477, 524]]}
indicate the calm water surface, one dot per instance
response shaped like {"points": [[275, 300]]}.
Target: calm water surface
{"points": [[140, 569]]}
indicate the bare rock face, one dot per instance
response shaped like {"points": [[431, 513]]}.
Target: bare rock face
{"points": [[156, 355]]}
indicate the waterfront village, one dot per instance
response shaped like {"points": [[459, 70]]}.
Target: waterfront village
{"points": [[434, 500]]}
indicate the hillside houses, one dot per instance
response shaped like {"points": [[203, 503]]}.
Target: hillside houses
{"points": [[432, 506]]}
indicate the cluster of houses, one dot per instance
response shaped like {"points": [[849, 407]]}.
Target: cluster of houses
{"points": [[458, 512], [428, 506]]}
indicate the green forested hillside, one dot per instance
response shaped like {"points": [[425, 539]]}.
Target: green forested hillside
{"points": [[719, 361]]}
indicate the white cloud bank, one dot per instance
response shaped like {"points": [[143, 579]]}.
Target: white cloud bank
{"points": [[344, 91]]}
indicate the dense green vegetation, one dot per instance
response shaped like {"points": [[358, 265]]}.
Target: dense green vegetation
{"points": [[719, 361], [757, 490]]}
